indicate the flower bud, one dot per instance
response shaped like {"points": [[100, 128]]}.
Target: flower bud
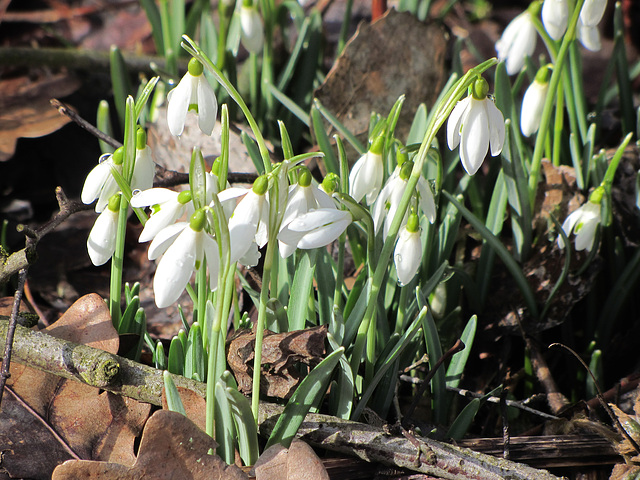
{"points": [[480, 89], [195, 67], [198, 220], [118, 156], [304, 177], [261, 185]]}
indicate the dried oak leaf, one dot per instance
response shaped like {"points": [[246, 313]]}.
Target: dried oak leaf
{"points": [[26, 111], [194, 405], [298, 462], [395, 55], [172, 446], [95, 424], [625, 472], [280, 354]]}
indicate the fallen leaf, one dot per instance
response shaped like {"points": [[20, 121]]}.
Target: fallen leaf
{"points": [[194, 405], [280, 354], [26, 111], [298, 462], [395, 55], [625, 472], [95, 424], [171, 447]]}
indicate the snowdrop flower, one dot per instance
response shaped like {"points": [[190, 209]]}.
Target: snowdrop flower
{"points": [[365, 178], [555, 17], [476, 123], [589, 36], [182, 258], [192, 93], [100, 184], [303, 197], [592, 12], [533, 102], [250, 219], [316, 228], [102, 239], [251, 30], [167, 207], [387, 202], [584, 222], [143, 169], [407, 255], [518, 41]]}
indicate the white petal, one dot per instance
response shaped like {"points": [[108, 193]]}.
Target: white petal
{"points": [[207, 106], [357, 189], [175, 268], [241, 237], [586, 236], [164, 239], [178, 104], [427, 202], [153, 196], [252, 31], [212, 255], [592, 12], [102, 238], [517, 42], [475, 138], [407, 255], [251, 257], [589, 37], [231, 193], [169, 212], [532, 106], [109, 189], [143, 170], [95, 181], [323, 236], [496, 127], [555, 16], [454, 122], [317, 218]]}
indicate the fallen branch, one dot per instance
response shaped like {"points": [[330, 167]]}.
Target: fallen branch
{"points": [[125, 377]]}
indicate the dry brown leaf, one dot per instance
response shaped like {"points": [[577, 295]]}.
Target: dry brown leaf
{"points": [[298, 462], [172, 447], [625, 472], [280, 354], [26, 111], [194, 405], [395, 55], [95, 424]]}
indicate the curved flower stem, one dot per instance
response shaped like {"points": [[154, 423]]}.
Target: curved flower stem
{"points": [[536, 162], [193, 48], [443, 111]]}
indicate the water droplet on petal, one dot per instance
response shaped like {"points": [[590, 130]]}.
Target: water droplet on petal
{"points": [[104, 157], [398, 258], [137, 191]]}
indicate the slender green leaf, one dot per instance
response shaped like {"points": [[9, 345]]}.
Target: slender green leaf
{"points": [[174, 402], [245, 426], [459, 360], [224, 423], [350, 137], [301, 290]]}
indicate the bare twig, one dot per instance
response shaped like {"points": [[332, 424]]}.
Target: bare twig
{"points": [[11, 330], [73, 115]]}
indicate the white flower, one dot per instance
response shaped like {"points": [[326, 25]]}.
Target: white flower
{"points": [[316, 228], [583, 222], [365, 178], [168, 205], [533, 104], [555, 17], [143, 169], [303, 197], [407, 255], [100, 183], [475, 125], [518, 41], [251, 30], [589, 36], [182, 258], [387, 202], [192, 93], [592, 12], [102, 239]]}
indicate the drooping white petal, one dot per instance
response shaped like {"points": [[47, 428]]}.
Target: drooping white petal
{"points": [[592, 12], [241, 236], [175, 268], [318, 228], [153, 196], [207, 106], [555, 17], [102, 238], [518, 41], [168, 213], [95, 181], [365, 179], [252, 32], [356, 187], [454, 122], [178, 103], [586, 235], [427, 202], [589, 36], [475, 138], [163, 240], [532, 106], [212, 254], [109, 189], [143, 170], [583, 222], [251, 257], [496, 127], [407, 255]]}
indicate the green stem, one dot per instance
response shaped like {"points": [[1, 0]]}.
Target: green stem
{"points": [[536, 162], [193, 48]]}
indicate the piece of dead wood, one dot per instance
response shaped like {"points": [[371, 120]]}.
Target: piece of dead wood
{"points": [[352, 438]]}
